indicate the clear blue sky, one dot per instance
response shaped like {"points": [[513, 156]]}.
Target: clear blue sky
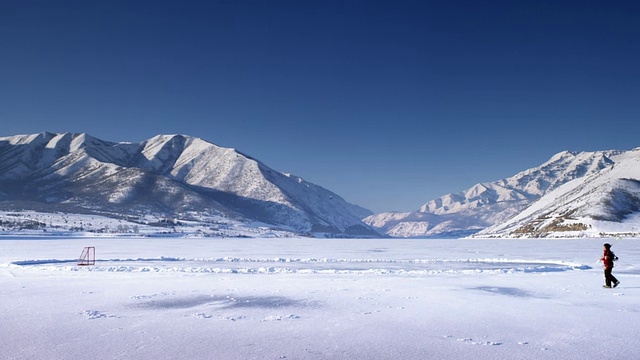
{"points": [[388, 104]]}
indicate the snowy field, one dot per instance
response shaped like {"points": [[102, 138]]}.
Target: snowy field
{"points": [[154, 298]]}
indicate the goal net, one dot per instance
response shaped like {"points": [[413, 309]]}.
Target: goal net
{"points": [[88, 256]]}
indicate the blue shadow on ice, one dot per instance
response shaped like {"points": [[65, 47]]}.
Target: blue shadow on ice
{"points": [[508, 291], [224, 302]]}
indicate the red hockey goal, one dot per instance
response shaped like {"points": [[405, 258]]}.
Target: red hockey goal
{"points": [[88, 256]]}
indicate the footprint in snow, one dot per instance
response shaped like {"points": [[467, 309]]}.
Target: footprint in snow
{"points": [[202, 316], [93, 314], [369, 312], [280, 318], [209, 316], [485, 343], [143, 297]]}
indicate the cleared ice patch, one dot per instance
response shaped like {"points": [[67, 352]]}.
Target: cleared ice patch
{"points": [[218, 302]]}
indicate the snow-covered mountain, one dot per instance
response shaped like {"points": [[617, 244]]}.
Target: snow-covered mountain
{"points": [[173, 175], [605, 203], [487, 204]]}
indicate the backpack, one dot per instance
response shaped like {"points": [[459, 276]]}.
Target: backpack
{"points": [[613, 256]]}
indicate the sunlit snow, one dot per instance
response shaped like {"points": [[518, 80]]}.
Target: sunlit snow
{"points": [[297, 298]]}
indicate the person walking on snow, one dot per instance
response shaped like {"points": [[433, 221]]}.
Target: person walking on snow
{"points": [[608, 258]]}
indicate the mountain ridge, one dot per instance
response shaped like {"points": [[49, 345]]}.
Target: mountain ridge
{"points": [[167, 173], [603, 204], [489, 203]]}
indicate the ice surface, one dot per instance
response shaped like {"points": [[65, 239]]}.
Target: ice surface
{"points": [[296, 298]]}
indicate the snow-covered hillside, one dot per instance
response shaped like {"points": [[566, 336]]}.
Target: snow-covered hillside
{"points": [[166, 176], [487, 204], [606, 203]]}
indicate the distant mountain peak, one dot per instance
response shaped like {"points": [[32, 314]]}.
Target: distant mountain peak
{"points": [[563, 155]]}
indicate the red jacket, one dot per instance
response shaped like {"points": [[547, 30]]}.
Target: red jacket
{"points": [[607, 258]]}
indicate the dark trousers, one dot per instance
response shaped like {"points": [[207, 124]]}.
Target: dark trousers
{"points": [[608, 277]]}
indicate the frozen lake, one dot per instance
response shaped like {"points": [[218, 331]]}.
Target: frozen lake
{"points": [[316, 299]]}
